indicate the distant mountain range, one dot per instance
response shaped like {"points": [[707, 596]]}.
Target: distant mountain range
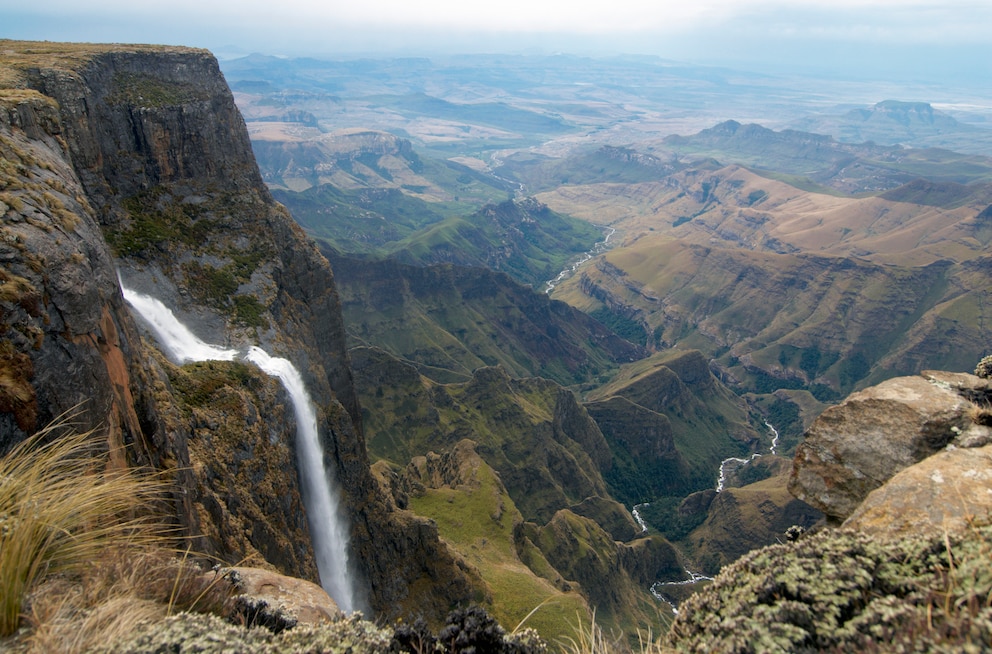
{"points": [[893, 122]]}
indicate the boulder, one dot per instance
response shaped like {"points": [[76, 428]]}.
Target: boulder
{"points": [[294, 600], [945, 492], [856, 446]]}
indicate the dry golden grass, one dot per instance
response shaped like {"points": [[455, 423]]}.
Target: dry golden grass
{"points": [[83, 555], [123, 588], [591, 639]]}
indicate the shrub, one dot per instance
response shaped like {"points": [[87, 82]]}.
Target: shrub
{"points": [[844, 591]]}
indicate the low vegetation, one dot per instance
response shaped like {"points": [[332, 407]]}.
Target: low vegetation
{"points": [[84, 555], [843, 591]]}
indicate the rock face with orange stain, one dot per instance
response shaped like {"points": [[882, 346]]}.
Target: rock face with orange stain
{"points": [[133, 161]]}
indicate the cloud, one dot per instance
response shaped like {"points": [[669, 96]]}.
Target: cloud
{"points": [[870, 17]]}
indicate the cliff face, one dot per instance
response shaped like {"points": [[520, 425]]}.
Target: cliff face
{"points": [[136, 158]]}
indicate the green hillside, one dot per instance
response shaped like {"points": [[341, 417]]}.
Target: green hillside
{"points": [[450, 320]]}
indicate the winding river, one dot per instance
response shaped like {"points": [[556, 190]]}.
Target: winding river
{"points": [[569, 270], [727, 466]]}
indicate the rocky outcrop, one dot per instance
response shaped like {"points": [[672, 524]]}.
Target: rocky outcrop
{"points": [[294, 601], [858, 445], [669, 423], [950, 490], [546, 448], [739, 520], [610, 574], [240, 437], [609, 514], [142, 148]]}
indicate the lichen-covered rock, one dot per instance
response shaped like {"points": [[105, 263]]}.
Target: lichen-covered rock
{"points": [[844, 591], [947, 491], [208, 634], [984, 367], [856, 446]]}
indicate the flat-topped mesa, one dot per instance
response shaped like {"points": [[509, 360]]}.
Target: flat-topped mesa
{"points": [[135, 159]]}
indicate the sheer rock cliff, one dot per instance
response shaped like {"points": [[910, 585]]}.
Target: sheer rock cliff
{"points": [[134, 160]]}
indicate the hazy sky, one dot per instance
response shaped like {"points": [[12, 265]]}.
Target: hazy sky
{"points": [[931, 37]]}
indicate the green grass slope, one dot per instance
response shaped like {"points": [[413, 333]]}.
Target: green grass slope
{"points": [[450, 320], [827, 324]]}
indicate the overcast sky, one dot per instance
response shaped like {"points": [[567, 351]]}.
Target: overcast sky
{"points": [[934, 38]]}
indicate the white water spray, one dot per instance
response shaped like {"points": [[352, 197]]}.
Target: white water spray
{"points": [[636, 513], [327, 524], [658, 586], [774, 432], [181, 344]]}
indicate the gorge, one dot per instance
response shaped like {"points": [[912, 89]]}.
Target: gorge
{"points": [[421, 433]]}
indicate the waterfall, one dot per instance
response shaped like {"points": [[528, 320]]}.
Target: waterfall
{"points": [[181, 344], [328, 528]]}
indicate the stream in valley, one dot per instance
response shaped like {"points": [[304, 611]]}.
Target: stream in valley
{"points": [[672, 592], [569, 270]]}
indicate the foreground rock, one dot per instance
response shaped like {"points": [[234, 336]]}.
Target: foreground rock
{"points": [[948, 491], [294, 600], [858, 445]]}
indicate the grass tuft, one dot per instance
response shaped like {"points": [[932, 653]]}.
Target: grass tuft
{"points": [[62, 509]]}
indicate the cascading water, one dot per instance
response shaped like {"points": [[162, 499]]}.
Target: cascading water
{"points": [[636, 512], [328, 528], [733, 463], [181, 344], [774, 446]]}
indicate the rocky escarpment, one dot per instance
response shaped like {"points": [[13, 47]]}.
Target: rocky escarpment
{"points": [[547, 450], [513, 472], [570, 561], [142, 149], [69, 346]]}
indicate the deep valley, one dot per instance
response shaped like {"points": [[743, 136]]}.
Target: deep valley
{"points": [[567, 337]]}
